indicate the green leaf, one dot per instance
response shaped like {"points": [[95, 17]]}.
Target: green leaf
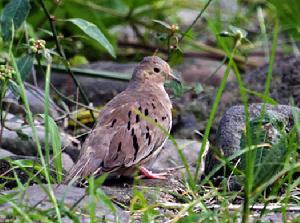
{"points": [[22, 135], [56, 147], [92, 31], [176, 57], [4, 198], [25, 163], [106, 200], [138, 3], [14, 12], [235, 30], [25, 64], [162, 23], [14, 88], [198, 88], [176, 87], [269, 160]]}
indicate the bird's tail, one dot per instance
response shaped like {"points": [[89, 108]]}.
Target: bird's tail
{"points": [[85, 166]]}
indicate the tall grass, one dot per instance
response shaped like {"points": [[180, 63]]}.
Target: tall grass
{"points": [[29, 118]]}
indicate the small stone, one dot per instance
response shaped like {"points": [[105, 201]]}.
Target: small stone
{"points": [[67, 161]]}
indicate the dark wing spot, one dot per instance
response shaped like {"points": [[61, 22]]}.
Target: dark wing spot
{"points": [[132, 131], [119, 146], [113, 122], [101, 164], [135, 145], [146, 112], [140, 109], [128, 125], [149, 140], [129, 114], [137, 118], [117, 153], [155, 120], [147, 134], [153, 106], [116, 157], [163, 118]]}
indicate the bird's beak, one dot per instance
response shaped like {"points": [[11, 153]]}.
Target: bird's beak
{"points": [[173, 77]]}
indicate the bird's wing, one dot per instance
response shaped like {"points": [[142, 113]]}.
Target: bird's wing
{"points": [[121, 137], [136, 138]]}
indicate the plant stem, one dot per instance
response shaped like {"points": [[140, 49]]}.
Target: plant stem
{"points": [[195, 20], [46, 113], [213, 112], [2, 95], [35, 135], [62, 54]]}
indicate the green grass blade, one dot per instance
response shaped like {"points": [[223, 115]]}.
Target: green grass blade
{"points": [[56, 148], [34, 133], [213, 113]]}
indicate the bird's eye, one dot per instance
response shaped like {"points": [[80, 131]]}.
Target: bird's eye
{"points": [[156, 70]]}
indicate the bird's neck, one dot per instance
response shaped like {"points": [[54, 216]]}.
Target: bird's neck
{"points": [[152, 89], [135, 85]]}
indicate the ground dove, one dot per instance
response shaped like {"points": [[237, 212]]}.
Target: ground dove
{"points": [[122, 140]]}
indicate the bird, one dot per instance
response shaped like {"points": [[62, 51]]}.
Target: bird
{"points": [[122, 140]]}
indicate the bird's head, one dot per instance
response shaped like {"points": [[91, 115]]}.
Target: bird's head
{"points": [[153, 70]]}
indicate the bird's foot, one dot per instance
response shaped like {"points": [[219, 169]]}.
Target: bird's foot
{"points": [[149, 175]]}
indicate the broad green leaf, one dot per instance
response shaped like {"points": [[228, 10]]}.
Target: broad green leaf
{"points": [[14, 12], [25, 64], [56, 147], [92, 31]]}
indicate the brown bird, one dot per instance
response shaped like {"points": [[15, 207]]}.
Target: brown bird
{"points": [[122, 140]]}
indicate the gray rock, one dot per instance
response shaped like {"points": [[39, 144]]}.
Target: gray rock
{"points": [[5, 153], [99, 90], [17, 137], [67, 161], [170, 159], [35, 98], [232, 125], [285, 83], [35, 195]]}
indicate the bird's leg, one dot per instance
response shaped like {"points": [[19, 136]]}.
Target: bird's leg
{"points": [[148, 174]]}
